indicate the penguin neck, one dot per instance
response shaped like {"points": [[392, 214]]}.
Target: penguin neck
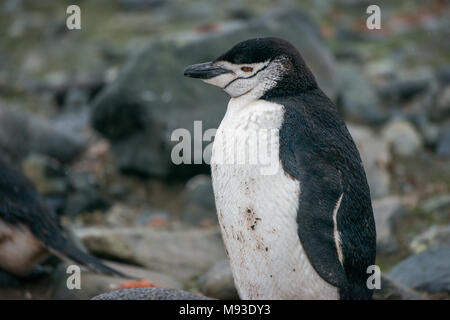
{"points": [[239, 103]]}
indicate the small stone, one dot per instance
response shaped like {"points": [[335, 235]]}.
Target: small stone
{"points": [[358, 98], [438, 203], [199, 190], [402, 137], [433, 237], [200, 208], [443, 144], [392, 290], [376, 159], [427, 271], [403, 90], [387, 211], [218, 282], [441, 109]]}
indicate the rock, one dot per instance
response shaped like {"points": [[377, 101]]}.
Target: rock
{"points": [[428, 130], [433, 237], [199, 189], [86, 196], [443, 75], [402, 137], [148, 101], [357, 97], [83, 201], [48, 176], [403, 90], [93, 284], [376, 158], [441, 108], [218, 282], [149, 294], [439, 204], [392, 290], [427, 271], [183, 254], [387, 211], [21, 135], [120, 216], [200, 205], [443, 144]]}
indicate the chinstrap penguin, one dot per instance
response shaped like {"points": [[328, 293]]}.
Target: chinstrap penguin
{"points": [[30, 229], [306, 230]]}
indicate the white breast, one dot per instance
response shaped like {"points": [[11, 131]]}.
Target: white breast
{"points": [[257, 209]]}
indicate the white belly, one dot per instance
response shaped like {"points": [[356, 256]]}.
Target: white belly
{"points": [[257, 211]]}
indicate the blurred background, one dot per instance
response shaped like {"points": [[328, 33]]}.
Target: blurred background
{"points": [[88, 114]]}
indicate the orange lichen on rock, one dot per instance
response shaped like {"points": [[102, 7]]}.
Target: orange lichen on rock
{"points": [[138, 284]]}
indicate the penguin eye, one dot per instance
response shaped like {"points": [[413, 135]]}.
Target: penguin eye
{"points": [[247, 69]]}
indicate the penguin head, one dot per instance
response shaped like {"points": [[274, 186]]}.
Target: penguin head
{"points": [[258, 67]]}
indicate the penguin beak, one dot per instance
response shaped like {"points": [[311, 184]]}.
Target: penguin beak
{"points": [[205, 71]]}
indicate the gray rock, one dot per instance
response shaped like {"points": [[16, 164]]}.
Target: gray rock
{"points": [[82, 201], [403, 90], [428, 130], [441, 108], [93, 284], [183, 254], [21, 135], [387, 211], [86, 196], [433, 237], [392, 290], [402, 137], [199, 189], [200, 205], [438, 204], [443, 75], [151, 98], [358, 99], [376, 157], [427, 271], [218, 282], [443, 144], [149, 294]]}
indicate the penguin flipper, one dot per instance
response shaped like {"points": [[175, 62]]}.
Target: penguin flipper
{"points": [[321, 194], [68, 250]]}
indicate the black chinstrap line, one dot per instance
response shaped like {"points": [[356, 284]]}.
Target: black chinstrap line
{"points": [[263, 68]]}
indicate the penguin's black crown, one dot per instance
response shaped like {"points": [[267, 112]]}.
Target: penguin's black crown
{"points": [[259, 50], [253, 61]]}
